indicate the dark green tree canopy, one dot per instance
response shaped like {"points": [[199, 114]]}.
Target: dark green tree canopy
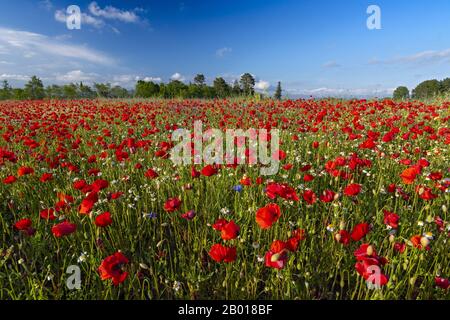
{"points": [[278, 91], [34, 89], [247, 84], [401, 93]]}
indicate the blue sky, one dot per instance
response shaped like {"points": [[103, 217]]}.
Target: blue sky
{"points": [[312, 47]]}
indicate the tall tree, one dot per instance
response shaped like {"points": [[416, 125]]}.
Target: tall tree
{"points": [[146, 89], [5, 91], [248, 84], [401, 93], [221, 87], [34, 89], [236, 89], [199, 79], [103, 89], [278, 91]]}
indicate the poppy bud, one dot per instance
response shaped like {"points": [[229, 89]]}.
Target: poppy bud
{"points": [[275, 257], [424, 241], [369, 250], [337, 236]]}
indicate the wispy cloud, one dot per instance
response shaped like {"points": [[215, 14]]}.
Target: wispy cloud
{"points": [[19, 77], [46, 4], [331, 64], [86, 19], [110, 12], [16, 41], [222, 52], [76, 76], [424, 57]]}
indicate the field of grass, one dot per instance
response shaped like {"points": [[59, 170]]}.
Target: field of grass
{"points": [[361, 184]]}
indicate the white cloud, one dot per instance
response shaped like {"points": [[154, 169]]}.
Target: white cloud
{"points": [[262, 85], [428, 56], [331, 64], [177, 76], [76, 76], [15, 41], [223, 52], [18, 77], [110, 12], [152, 79], [60, 16]]}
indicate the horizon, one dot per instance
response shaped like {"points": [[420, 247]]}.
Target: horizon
{"points": [[314, 49]]}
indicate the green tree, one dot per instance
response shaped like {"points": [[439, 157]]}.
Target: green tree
{"points": [[221, 87], [85, 92], [426, 89], [278, 91], [103, 89], [34, 89], [236, 89], [5, 91], [175, 89], [146, 89], [119, 92], [199, 79], [70, 91], [401, 93], [445, 85], [19, 94], [247, 84]]}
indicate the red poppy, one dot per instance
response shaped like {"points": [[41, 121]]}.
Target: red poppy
{"points": [[24, 171], [103, 220], [343, 236], [9, 180], [88, 203], [352, 190], [268, 215], [281, 190], [152, 174], [47, 214], [63, 229], [442, 283], [359, 231], [99, 184], [435, 176], [391, 219], [79, 184], [277, 256], [327, 196], [230, 231], [172, 204], [310, 197], [116, 195], [111, 268], [195, 173], [409, 175], [209, 170], [220, 253], [189, 215], [399, 247], [46, 177], [24, 225], [219, 224]]}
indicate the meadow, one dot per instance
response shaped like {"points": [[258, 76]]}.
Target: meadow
{"points": [[363, 187]]}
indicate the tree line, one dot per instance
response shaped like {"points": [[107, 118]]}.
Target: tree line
{"points": [[34, 89], [425, 89]]}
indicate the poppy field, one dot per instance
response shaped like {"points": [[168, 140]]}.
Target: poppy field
{"points": [[93, 207]]}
